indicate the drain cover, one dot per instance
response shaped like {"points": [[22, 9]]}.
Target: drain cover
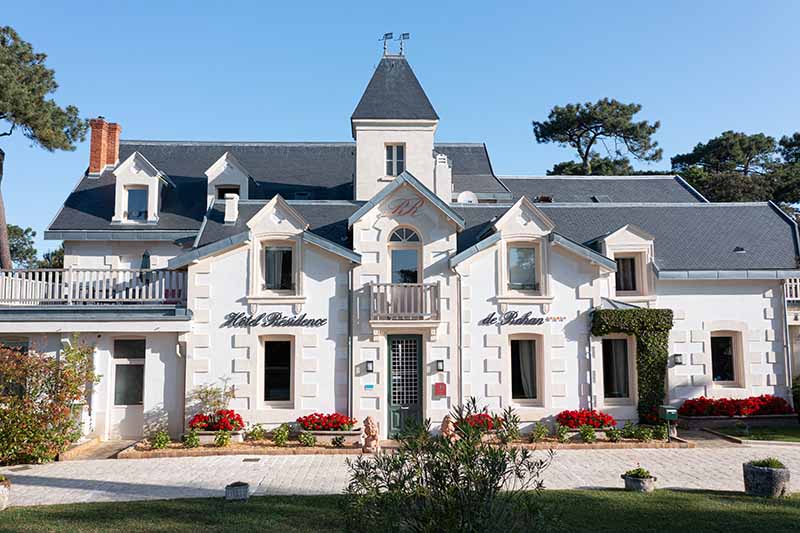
{"points": [[251, 460]]}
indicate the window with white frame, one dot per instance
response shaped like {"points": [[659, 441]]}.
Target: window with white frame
{"points": [[129, 356], [137, 204], [725, 356], [522, 267], [395, 159], [524, 372], [278, 268], [627, 274], [616, 369], [277, 370]]}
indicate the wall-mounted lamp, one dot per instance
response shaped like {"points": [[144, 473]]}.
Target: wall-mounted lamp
{"points": [[370, 367], [439, 365], [677, 358]]}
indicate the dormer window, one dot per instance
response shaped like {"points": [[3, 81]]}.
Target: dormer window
{"points": [[522, 268], [395, 159], [278, 272], [222, 190], [137, 204], [626, 274]]}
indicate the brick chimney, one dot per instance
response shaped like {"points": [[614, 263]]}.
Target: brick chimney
{"points": [[104, 145]]}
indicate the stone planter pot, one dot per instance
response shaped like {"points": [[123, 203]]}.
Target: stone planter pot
{"points": [[765, 482], [207, 437], [5, 494], [238, 491], [639, 484], [352, 438]]}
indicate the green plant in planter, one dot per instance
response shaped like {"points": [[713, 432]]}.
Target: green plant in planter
{"points": [[280, 435], [539, 432], [629, 431], [307, 439], [660, 432], [613, 434], [588, 434], [256, 432], [643, 434], [769, 462], [562, 433], [160, 440], [191, 439], [639, 473], [222, 438], [507, 426], [338, 441]]}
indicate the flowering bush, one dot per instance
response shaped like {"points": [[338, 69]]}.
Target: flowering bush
{"points": [[331, 422], [585, 417], [222, 420], [482, 421], [755, 405]]}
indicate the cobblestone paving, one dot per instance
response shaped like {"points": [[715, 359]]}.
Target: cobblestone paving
{"points": [[197, 477]]}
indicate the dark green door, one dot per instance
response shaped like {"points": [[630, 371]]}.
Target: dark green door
{"points": [[405, 381]]}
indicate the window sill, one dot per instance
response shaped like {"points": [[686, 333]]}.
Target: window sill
{"points": [[277, 405], [619, 402], [275, 299], [523, 299], [387, 178], [635, 297]]}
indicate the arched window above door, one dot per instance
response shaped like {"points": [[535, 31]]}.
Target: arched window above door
{"points": [[404, 235]]}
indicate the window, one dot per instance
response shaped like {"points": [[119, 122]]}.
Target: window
{"points": [[626, 274], [723, 363], [226, 189], [395, 159], [522, 268], [15, 343], [405, 253], [616, 369], [277, 371], [128, 358], [137, 204], [523, 369], [278, 268]]}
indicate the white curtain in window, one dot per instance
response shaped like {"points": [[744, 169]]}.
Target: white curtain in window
{"points": [[527, 367], [275, 260]]}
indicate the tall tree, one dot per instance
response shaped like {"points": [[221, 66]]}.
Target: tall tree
{"points": [[600, 166], [23, 251], [790, 148], [731, 151], [25, 83], [52, 259], [585, 127]]}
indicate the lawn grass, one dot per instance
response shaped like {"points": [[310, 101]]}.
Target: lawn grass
{"points": [[587, 510], [780, 433]]}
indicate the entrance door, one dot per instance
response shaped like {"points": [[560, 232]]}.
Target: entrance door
{"points": [[127, 389], [405, 381]]}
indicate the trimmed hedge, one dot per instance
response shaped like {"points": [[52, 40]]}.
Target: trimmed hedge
{"points": [[651, 329]]}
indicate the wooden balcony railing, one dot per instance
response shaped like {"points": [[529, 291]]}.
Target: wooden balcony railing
{"points": [[74, 286], [404, 301]]}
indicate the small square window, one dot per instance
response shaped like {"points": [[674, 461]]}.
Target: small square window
{"points": [[395, 159], [224, 190], [278, 271], [137, 204], [129, 349], [626, 274], [522, 268]]}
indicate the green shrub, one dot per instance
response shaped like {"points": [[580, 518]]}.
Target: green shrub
{"points": [[41, 400], [769, 462], [160, 440], [588, 434], [613, 434], [643, 434], [338, 441], [629, 431], [222, 438], [507, 426], [435, 484], [539, 432], [562, 433], [191, 439], [638, 472], [256, 432], [307, 439], [660, 432], [280, 435]]}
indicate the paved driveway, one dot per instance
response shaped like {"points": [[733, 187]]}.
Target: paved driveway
{"points": [[197, 477]]}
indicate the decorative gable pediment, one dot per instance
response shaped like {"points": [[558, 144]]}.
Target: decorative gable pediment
{"points": [[137, 173], [277, 218], [524, 219], [628, 234], [227, 171]]}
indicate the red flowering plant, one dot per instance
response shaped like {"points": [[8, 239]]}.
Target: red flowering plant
{"points": [[222, 419], [585, 417], [765, 404], [482, 421], [326, 422]]}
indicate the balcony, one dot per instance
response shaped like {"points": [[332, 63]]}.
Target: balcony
{"points": [[91, 286], [404, 302]]}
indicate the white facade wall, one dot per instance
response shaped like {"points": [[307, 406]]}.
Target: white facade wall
{"points": [[118, 254]]}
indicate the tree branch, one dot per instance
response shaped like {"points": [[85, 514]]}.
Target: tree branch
{"points": [[9, 132]]}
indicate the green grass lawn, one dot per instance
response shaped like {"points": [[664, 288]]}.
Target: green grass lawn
{"points": [[781, 433], [588, 510]]}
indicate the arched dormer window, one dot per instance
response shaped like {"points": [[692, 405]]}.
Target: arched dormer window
{"points": [[405, 249], [404, 235]]}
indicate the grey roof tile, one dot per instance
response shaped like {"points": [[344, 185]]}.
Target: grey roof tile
{"points": [[394, 92], [568, 189]]}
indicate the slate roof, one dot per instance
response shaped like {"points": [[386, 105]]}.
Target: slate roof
{"points": [[568, 189], [472, 168], [394, 92], [688, 236]]}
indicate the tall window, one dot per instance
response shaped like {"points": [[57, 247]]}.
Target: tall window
{"points": [[137, 204], [723, 362], [616, 380], [405, 250], [277, 371], [278, 271], [222, 190], [395, 159], [128, 358], [523, 369], [626, 274], [522, 268]]}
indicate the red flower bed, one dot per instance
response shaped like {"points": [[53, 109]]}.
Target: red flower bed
{"points": [[224, 419], [585, 417], [765, 404], [484, 421], [331, 422]]}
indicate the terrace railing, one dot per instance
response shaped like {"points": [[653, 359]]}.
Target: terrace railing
{"points": [[404, 301]]}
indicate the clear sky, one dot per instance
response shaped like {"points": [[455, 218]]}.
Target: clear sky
{"points": [[291, 71]]}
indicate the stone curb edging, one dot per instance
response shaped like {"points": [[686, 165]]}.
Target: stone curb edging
{"points": [[752, 442], [603, 445], [131, 452]]}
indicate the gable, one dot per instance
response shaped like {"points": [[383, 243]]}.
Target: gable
{"points": [[227, 170], [524, 218], [277, 217]]}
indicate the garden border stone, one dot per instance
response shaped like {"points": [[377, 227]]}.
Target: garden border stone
{"points": [[703, 422]]}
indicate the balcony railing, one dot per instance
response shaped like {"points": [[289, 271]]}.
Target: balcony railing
{"points": [[404, 301], [80, 286], [793, 291]]}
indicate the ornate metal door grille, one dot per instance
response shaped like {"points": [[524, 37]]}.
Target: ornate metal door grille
{"points": [[405, 372]]}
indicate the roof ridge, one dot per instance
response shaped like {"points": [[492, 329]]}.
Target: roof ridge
{"points": [[570, 177], [653, 204], [237, 143]]}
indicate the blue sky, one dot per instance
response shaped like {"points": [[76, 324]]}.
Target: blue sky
{"points": [[259, 71]]}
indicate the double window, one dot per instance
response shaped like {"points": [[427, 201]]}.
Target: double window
{"points": [[277, 371], [278, 268], [395, 159], [129, 356], [616, 369], [137, 204], [724, 357], [524, 373], [522, 268], [626, 274]]}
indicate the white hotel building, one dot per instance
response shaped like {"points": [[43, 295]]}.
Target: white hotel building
{"points": [[367, 278]]}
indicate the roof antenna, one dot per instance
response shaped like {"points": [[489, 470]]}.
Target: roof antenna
{"points": [[403, 38], [386, 38]]}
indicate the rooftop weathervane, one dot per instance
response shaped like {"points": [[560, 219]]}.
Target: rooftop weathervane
{"points": [[386, 38], [403, 38]]}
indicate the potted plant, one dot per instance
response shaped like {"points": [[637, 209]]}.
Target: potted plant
{"points": [[766, 477], [326, 427], [639, 480], [208, 425], [5, 492]]}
